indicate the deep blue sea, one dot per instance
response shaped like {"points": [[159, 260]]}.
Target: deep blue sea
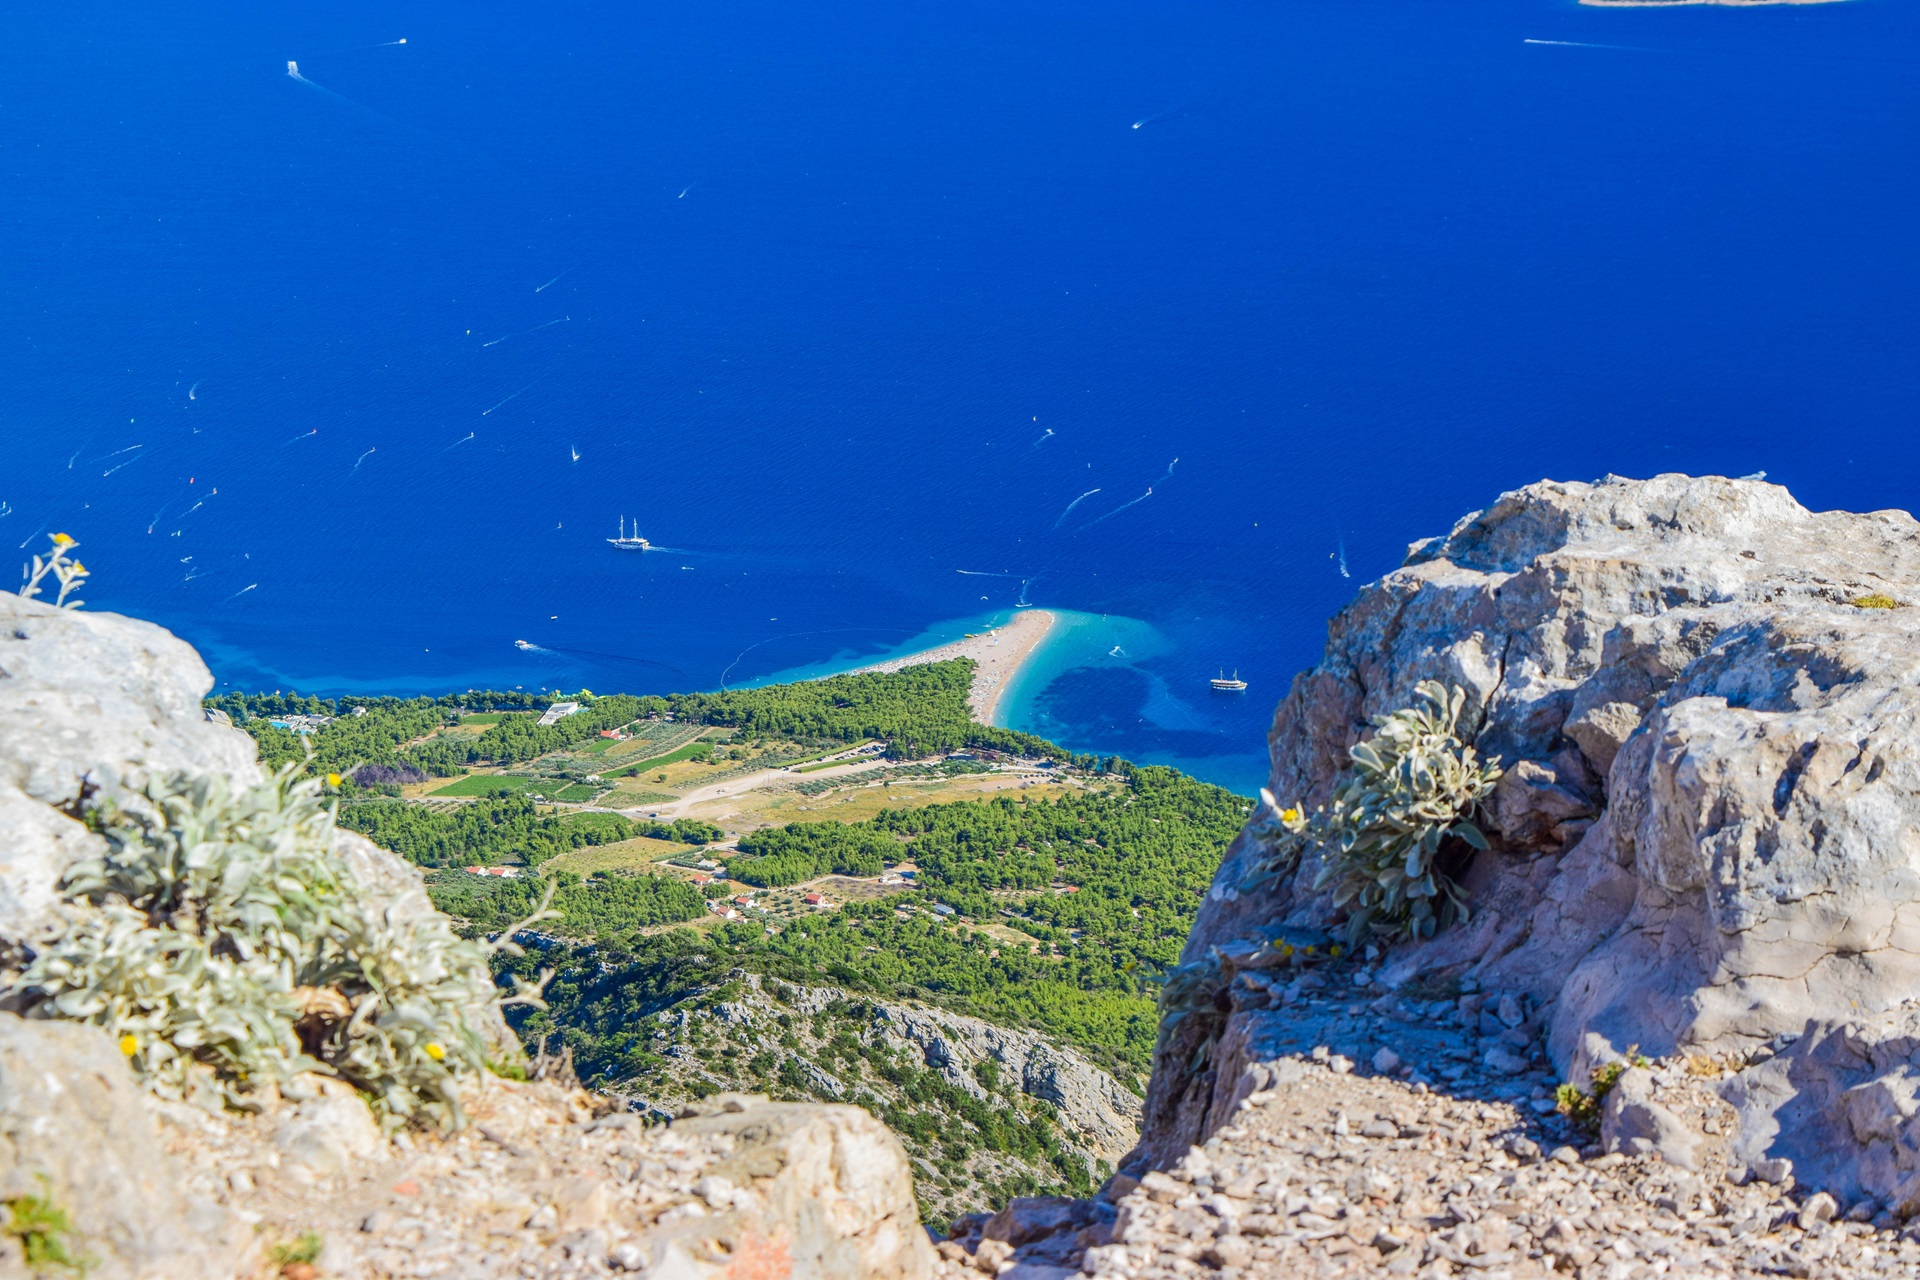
{"points": [[1183, 317]]}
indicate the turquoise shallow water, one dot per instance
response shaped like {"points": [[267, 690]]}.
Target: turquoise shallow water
{"points": [[1085, 660]]}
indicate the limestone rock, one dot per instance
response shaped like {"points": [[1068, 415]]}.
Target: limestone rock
{"points": [[831, 1190], [1028, 1218], [1705, 841], [331, 1132], [40, 844], [95, 695], [1090, 1102], [1633, 1124], [86, 700], [75, 1129], [1098, 1116]]}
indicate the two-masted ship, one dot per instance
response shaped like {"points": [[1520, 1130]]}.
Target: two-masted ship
{"points": [[629, 541], [1224, 683]]}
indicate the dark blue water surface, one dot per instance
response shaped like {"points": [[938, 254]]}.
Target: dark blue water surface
{"points": [[840, 299]]}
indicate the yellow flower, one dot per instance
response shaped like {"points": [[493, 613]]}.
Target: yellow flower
{"points": [[78, 567], [1286, 948], [333, 779], [435, 1052], [129, 1044], [62, 540], [1289, 815], [1334, 950]]}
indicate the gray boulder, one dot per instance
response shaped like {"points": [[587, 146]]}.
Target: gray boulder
{"points": [[95, 696], [75, 1130], [1705, 837], [88, 700], [1633, 1123], [815, 1192]]}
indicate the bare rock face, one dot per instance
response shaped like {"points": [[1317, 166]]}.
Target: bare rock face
{"points": [[1705, 842], [88, 700], [91, 695], [75, 1131], [1633, 1123], [1099, 1118], [822, 1189], [1092, 1105]]}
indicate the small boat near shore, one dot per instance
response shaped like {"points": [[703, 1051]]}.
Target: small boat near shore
{"points": [[629, 541], [1224, 683]]}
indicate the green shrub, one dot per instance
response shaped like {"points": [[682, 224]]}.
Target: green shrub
{"points": [[1583, 1106], [303, 1248], [44, 1232], [1878, 600], [220, 937]]}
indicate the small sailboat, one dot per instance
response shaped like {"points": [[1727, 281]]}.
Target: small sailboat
{"points": [[629, 541], [1224, 683]]}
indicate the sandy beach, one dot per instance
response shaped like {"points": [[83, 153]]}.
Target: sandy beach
{"points": [[997, 655]]}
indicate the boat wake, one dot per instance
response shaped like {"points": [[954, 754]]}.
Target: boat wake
{"points": [[524, 332], [293, 72], [1071, 505], [522, 391], [1116, 511]]}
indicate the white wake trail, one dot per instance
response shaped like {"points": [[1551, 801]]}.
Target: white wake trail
{"points": [[1071, 505], [1582, 44], [1116, 511], [524, 332], [516, 395]]}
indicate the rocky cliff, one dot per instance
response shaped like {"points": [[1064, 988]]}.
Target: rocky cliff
{"points": [[1706, 701], [850, 1047], [296, 1175]]}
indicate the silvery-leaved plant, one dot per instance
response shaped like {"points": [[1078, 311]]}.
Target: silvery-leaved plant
{"points": [[218, 930], [1284, 833], [68, 573], [1413, 785]]}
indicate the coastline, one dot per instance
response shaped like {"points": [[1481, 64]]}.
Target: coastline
{"points": [[998, 655]]}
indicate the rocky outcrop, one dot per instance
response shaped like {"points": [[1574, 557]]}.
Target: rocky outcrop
{"points": [[1095, 1109], [545, 1181], [89, 700], [1704, 841], [1095, 1118], [76, 1133]]}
